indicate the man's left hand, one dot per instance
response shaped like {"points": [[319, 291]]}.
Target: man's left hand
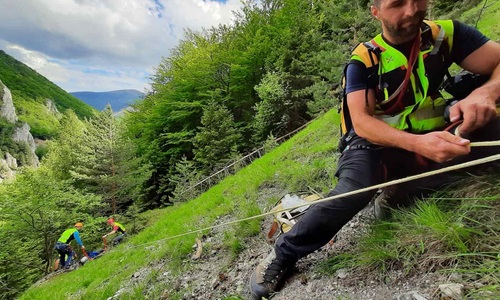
{"points": [[476, 110]]}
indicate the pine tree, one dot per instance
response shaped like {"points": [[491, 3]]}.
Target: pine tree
{"points": [[216, 138], [185, 180], [106, 164]]}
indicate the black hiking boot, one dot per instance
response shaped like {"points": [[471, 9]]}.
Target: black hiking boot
{"points": [[267, 276]]}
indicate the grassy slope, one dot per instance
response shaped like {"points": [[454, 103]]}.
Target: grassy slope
{"points": [[307, 158], [488, 21]]}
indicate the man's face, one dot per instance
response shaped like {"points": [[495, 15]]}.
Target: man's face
{"points": [[401, 19]]}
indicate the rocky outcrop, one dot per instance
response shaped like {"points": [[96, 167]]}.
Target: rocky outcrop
{"points": [[51, 107], [7, 166], [22, 135], [11, 161], [7, 109]]}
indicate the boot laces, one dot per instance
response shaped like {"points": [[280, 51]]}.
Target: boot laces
{"points": [[273, 271]]}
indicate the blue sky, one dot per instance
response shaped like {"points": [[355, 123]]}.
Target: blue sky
{"points": [[102, 45]]}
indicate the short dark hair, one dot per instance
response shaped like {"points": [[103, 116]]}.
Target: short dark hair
{"points": [[376, 2]]}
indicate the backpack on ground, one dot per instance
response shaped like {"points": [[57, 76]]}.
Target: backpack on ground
{"points": [[286, 215]]}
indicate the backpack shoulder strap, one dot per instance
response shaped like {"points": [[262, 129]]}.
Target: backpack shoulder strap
{"points": [[438, 35], [368, 53], [442, 31]]}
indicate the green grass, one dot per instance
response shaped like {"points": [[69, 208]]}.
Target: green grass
{"points": [[487, 20], [42, 122], [454, 232]]}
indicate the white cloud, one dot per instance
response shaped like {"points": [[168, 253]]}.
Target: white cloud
{"points": [[101, 44], [35, 60]]}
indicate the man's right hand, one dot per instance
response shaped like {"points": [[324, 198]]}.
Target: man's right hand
{"points": [[441, 146]]}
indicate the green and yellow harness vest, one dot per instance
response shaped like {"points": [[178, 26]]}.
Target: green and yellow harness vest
{"points": [[67, 236], [120, 228], [423, 105]]}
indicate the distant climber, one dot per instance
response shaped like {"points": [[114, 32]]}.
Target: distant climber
{"points": [[64, 249], [116, 227]]}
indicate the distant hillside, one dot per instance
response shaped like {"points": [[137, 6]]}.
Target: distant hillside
{"points": [[30, 92], [117, 99]]}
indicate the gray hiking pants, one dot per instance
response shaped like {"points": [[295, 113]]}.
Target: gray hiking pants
{"points": [[364, 167]]}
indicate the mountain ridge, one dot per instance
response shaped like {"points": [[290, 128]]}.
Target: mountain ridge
{"points": [[32, 94], [37, 87], [118, 99]]}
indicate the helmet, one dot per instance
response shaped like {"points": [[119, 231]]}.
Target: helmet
{"points": [[83, 260], [78, 224], [111, 221]]}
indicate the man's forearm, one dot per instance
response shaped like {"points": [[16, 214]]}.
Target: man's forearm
{"points": [[373, 129], [380, 133]]}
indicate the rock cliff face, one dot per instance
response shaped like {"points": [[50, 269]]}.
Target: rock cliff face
{"points": [[23, 135], [8, 163], [51, 107], [7, 109]]}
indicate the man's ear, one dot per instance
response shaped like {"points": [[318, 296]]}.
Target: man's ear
{"points": [[374, 11]]}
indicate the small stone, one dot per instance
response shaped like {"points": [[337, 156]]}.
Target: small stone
{"points": [[417, 296], [453, 290], [456, 277], [341, 273]]}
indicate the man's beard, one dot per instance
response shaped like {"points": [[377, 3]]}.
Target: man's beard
{"points": [[406, 28]]}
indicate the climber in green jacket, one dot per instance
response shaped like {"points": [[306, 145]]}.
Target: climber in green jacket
{"points": [[117, 227], [63, 247]]}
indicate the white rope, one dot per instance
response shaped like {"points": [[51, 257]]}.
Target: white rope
{"points": [[370, 188], [482, 144]]}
